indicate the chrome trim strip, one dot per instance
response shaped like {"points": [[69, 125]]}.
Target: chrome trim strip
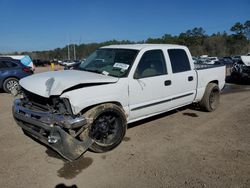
{"points": [[164, 101]]}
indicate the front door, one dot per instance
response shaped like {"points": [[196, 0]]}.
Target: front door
{"points": [[148, 88]]}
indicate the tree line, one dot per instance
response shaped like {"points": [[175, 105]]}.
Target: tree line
{"points": [[218, 44]]}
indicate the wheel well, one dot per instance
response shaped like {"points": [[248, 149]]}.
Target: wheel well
{"points": [[215, 81], [92, 106]]}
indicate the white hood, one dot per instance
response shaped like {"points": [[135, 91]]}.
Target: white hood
{"points": [[55, 82]]}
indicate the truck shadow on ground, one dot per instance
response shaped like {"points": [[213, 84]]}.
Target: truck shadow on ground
{"points": [[190, 114], [70, 169], [62, 185], [231, 80]]}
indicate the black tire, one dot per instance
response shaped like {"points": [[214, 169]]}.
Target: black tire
{"points": [[107, 128], [9, 83], [211, 98]]}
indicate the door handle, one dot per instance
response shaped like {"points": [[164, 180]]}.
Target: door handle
{"points": [[190, 78], [167, 83]]}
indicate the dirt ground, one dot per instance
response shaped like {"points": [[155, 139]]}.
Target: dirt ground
{"points": [[182, 148]]}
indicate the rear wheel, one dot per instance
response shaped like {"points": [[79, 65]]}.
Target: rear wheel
{"points": [[107, 126], [211, 98], [9, 84]]}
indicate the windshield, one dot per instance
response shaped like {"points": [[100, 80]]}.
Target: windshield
{"points": [[112, 62]]}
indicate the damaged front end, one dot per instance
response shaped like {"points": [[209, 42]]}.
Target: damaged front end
{"points": [[51, 121]]}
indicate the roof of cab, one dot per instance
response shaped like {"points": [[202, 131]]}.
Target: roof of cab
{"points": [[142, 46]]}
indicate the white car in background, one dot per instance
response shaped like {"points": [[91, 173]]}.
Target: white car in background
{"points": [[212, 60]]}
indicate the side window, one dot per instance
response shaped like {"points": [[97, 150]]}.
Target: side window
{"points": [[179, 60], [152, 63], [10, 64], [2, 65]]}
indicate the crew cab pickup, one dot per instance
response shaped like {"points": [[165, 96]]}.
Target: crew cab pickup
{"points": [[75, 110]]}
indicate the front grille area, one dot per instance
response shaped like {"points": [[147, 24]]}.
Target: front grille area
{"points": [[52, 104], [36, 98]]}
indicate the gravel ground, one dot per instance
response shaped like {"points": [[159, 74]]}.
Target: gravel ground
{"points": [[182, 148]]}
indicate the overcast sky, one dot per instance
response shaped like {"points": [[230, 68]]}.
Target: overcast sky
{"points": [[48, 24]]}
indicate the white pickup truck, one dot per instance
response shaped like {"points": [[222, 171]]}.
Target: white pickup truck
{"points": [[89, 108]]}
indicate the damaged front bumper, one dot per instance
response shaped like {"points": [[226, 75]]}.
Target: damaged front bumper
{"points": [[52, 129]]}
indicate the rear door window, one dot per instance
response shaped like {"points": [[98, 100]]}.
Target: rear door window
{"points": [[179, 60], [3, 65], [10, 64]]}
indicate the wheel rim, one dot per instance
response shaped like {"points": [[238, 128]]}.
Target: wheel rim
{"points": [[105, 130], [11, 84], [213, 99]]}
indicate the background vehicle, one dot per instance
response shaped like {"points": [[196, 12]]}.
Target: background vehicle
{"points": [[74, 65], [236, 58], [67, 62], [213, 59], [24, 59], [208, 60], [195, 59], [40, 63], [90, 107], [241, 69], [10, 72], [227, 60]]}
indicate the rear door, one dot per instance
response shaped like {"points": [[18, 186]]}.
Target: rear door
{"points": [[183, 78]]}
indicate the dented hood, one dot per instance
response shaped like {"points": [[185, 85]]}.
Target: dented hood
{"points": [[55, 82]]}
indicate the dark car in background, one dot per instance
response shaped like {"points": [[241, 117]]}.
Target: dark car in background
{"points": [[41, 63], [11, 71]]}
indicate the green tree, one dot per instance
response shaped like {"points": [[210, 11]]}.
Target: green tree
{"points": [[238, 29], [247, 29]]}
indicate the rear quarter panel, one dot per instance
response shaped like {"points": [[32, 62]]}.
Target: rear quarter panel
{"points": [[214, 74]]}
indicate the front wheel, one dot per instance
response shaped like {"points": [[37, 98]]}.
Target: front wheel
{"points": [[107, 126], [211, 98]]}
